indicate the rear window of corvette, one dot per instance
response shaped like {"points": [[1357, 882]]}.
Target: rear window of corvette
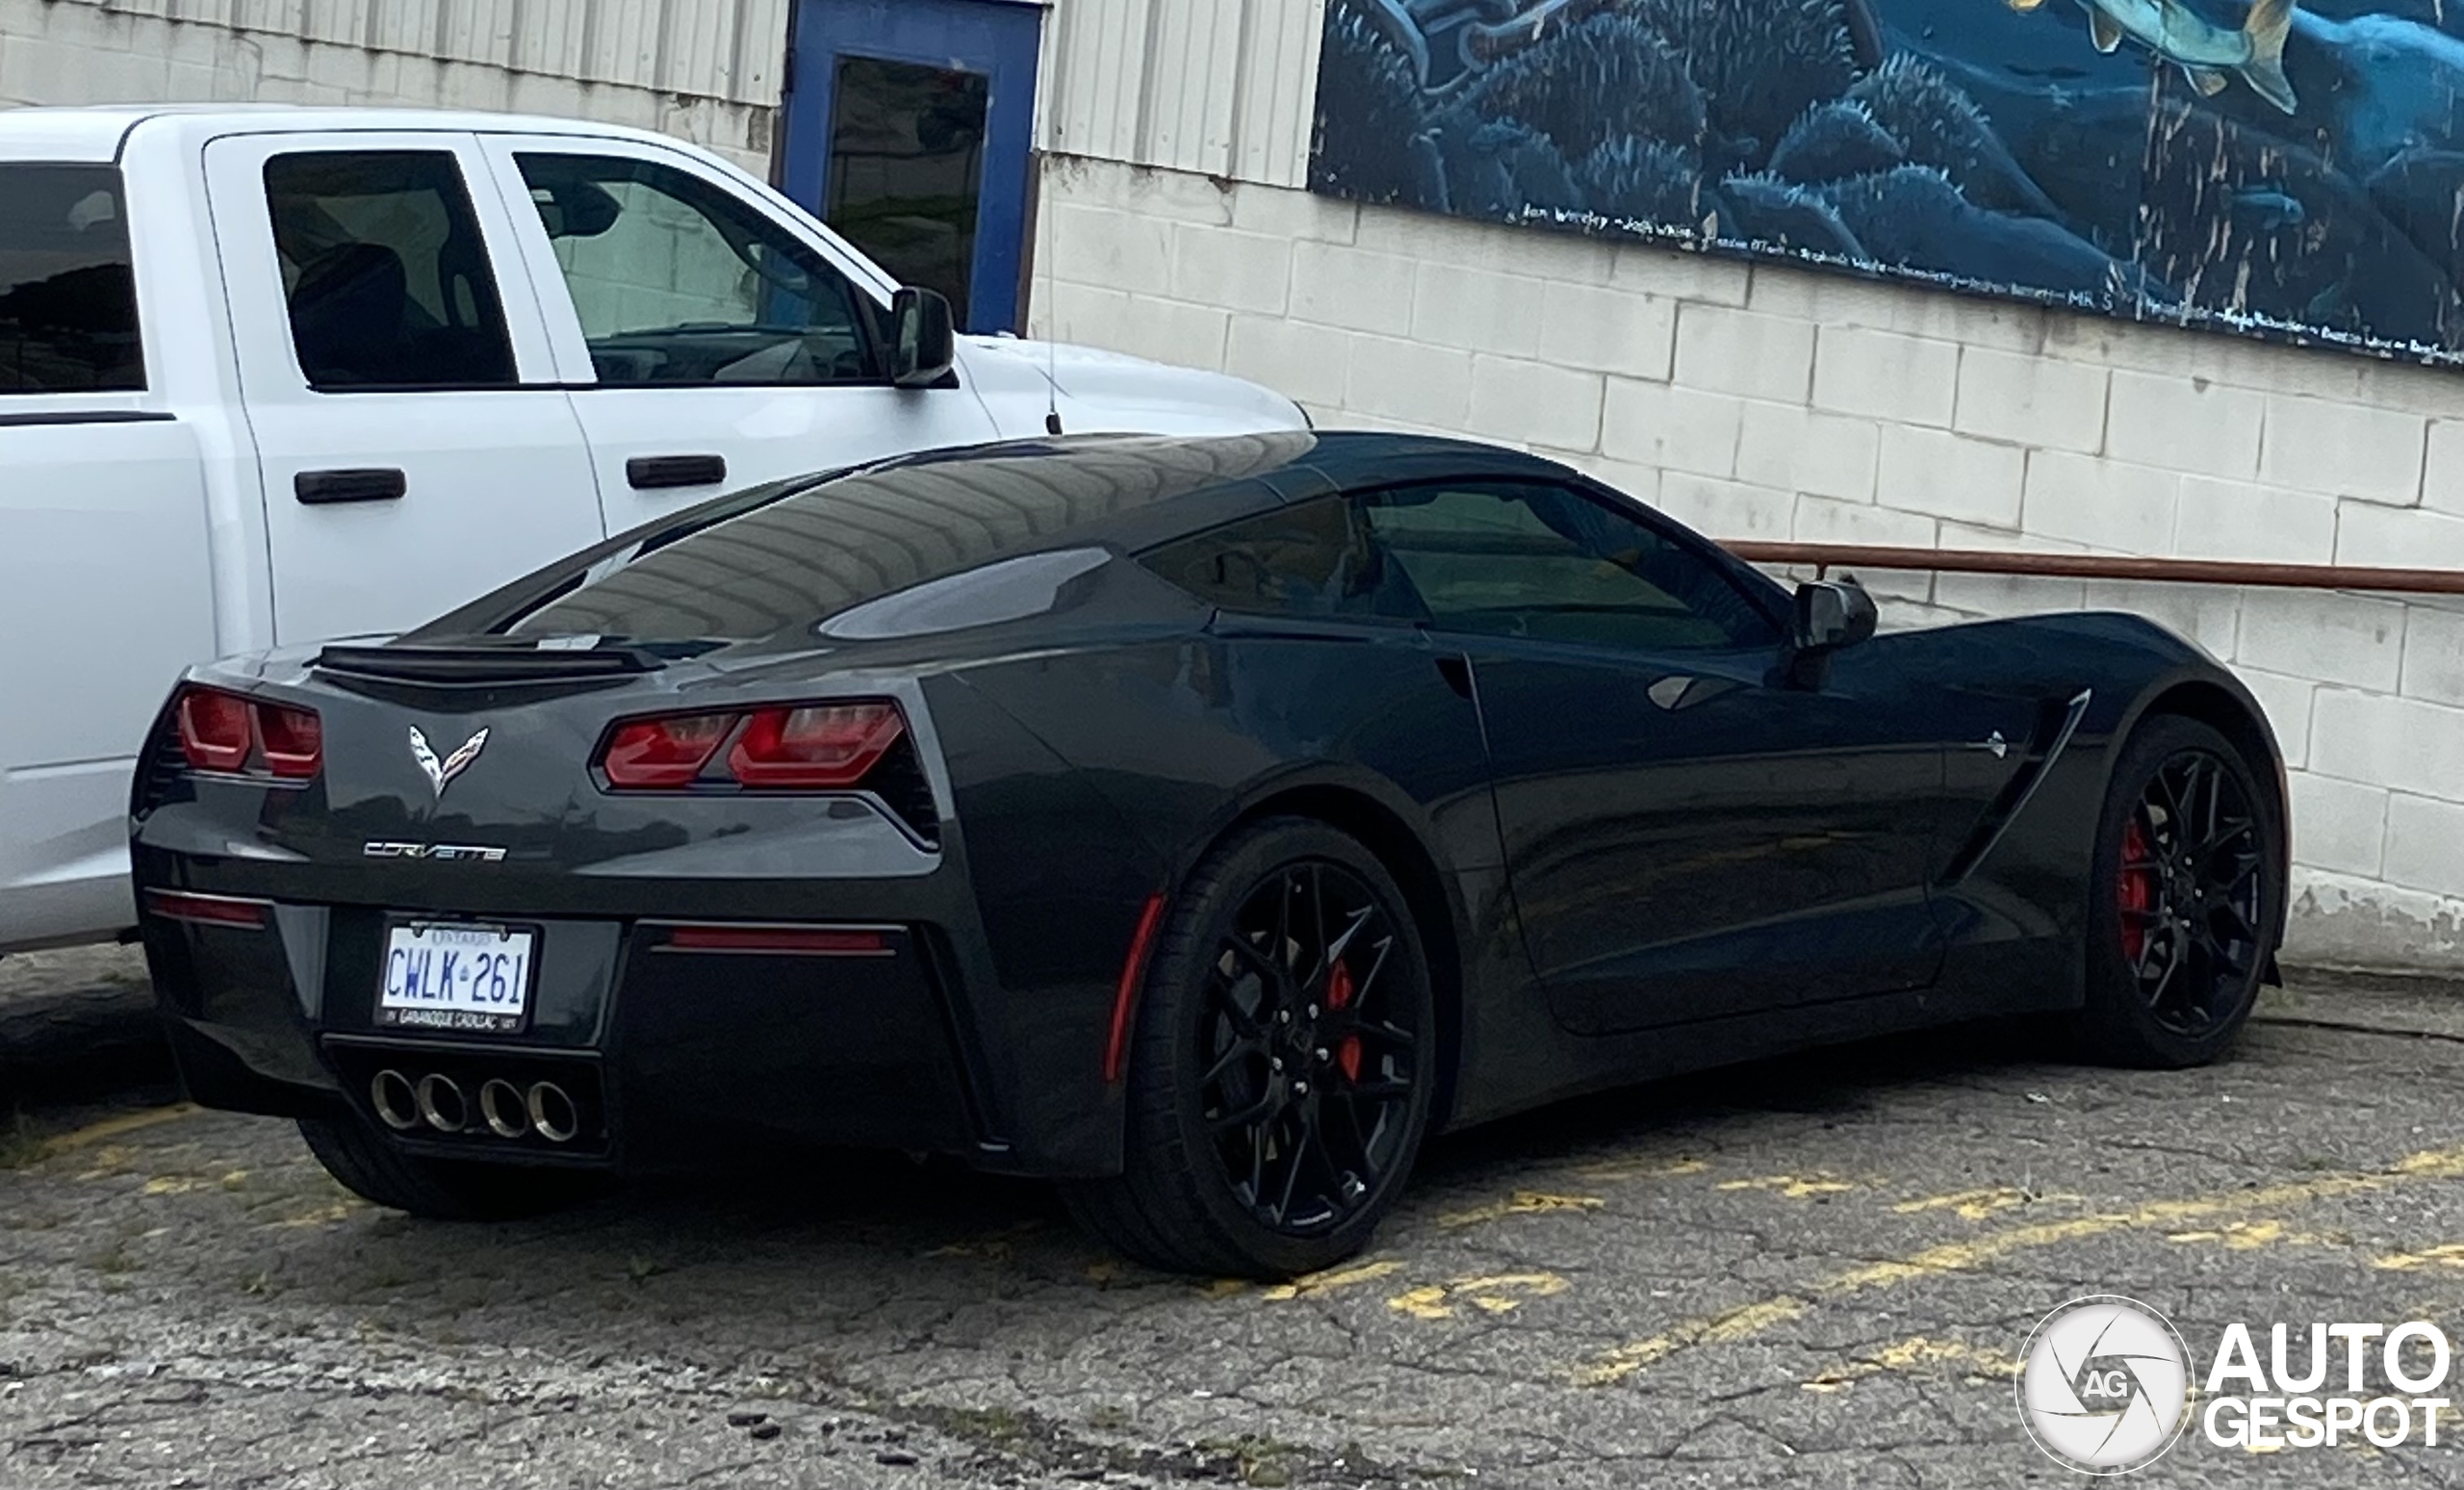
{"points": [[819, 552]]}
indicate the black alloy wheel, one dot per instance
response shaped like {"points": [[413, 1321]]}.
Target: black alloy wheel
{"points": [[1280, 1076], [2188, 898], [2189, 892], [1308, 1086]]}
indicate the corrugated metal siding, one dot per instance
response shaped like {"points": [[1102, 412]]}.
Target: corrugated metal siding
{"points": [[725, 49], [1222, 86]]}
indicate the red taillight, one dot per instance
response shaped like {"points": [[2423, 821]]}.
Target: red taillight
{"points": [[214, 730], [228, 733], [819, 746], [809, 747], [778, 940], [207, 909], [666, 752], [294, 740]]}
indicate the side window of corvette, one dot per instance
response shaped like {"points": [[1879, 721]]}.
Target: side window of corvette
{"points": [[1509, 558], [1313, 558]]}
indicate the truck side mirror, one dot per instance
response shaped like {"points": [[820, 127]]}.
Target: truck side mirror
{"points": [[575, 208], [922, 346]]}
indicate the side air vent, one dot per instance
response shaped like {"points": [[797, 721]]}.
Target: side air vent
{"points": [[903, 787], [162, 771]]}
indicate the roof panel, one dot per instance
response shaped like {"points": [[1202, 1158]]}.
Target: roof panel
{"points": [[820, 550], [84, 135]]}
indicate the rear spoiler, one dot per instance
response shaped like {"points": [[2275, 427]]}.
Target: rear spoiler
{"points": [[486, 666]]}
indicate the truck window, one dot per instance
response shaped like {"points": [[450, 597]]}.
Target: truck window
{"points": [[387, 277], [67, 293], [678, 281]]}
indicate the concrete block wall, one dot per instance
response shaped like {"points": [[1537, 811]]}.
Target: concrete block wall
{"points": [[1768, 401], [144, 51]]}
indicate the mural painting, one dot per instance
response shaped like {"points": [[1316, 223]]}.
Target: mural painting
{"points": [[2284, 168]]}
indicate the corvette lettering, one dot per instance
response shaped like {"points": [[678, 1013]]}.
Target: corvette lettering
{"points": [[443, 853]]}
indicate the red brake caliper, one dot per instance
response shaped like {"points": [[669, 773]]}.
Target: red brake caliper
{"points": [[2136, 889], [1339, 991]]}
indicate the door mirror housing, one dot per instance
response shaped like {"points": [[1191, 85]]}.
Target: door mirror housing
{"points": [[575, 208], [1831, 614], [923, 347]]}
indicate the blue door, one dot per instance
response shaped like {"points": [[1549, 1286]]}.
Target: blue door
{"points": [[910, 130]]}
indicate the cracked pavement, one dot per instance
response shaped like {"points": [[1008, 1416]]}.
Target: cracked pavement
{"points": [[71, 1019], [1817, 1272]]}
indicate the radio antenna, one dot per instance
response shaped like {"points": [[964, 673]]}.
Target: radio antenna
{"points": [[1051, 323]]}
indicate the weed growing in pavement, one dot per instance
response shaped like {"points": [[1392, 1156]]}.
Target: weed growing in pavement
{"points": [[22, 1145], [998, 1426], [112, 1260], [1262, 1462]]}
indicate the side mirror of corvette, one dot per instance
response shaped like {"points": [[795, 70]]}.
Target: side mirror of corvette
{"points": [[922, 346], [1831, 614]]}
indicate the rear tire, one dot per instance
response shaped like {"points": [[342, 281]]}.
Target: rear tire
{"points": [[1278, 1094], [370, 1168], [2186, 897]]}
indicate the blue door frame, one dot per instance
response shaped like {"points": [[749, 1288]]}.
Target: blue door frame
{"points": [[1001, 40]]}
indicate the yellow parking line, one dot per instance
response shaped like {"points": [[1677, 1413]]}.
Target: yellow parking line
{"points": [[1917, 1351], [1741, 1324], [1495, 1292], [1522, 1203], [1792, 1187], [2450, 1254], [1616, 1365], [1980, 1204], [115, 1127], [1327, 1282], [2248, 1236]]}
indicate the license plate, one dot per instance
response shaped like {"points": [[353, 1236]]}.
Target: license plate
{"points": [[444, 976]]}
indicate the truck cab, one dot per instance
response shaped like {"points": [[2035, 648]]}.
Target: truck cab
{"points": [[278, 375]]}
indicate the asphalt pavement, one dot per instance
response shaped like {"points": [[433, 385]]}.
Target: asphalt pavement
{"points": [[1814, 1271], [76, 1020]]}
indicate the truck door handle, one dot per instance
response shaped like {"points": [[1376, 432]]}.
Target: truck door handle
{"points": [[381, 483], [656, 473]]}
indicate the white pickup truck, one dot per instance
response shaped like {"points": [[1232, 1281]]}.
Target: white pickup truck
{"points": [[268, 377]]}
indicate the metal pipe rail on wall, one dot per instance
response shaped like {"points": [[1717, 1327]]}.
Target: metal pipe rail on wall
{"points": [[1824, 558]]}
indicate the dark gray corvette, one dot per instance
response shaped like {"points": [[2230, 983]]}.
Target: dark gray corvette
{"points": [[1199, 822]]}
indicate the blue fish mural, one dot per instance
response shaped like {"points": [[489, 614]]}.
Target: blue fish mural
{"points": [[2203, 50], [2291, 169]]}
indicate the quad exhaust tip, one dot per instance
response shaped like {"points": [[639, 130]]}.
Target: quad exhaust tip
{"points": [[505, 1109], [502, 1108], [441, 1103], [552, 1113], [395, 1101]]}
